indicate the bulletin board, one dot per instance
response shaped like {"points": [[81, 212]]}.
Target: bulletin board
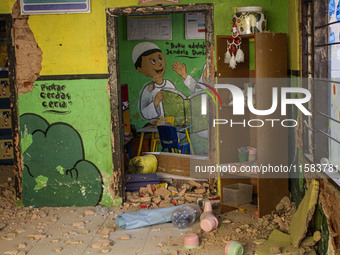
{"points": [[195, 25], [30, 7], [149, 27]]}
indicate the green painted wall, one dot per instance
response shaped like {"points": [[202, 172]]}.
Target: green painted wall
{"points": [[65, 132], [293, 35], [191, 52], [76, 44], [276, 11]]}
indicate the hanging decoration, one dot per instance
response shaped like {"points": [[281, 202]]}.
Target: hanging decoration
{"points": [[234, 53]]}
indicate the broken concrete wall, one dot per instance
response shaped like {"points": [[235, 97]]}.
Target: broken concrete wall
{"points": [[325, 219], [329, 199], [27, 52]]}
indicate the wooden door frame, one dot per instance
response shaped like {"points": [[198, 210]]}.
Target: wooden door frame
{"points": [[114, 81]]}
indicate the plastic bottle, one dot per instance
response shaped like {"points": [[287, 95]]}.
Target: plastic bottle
{"points": [[102, 210], [185, 216]]}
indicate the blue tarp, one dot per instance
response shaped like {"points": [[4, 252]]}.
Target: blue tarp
{"points": [[145, 218]]}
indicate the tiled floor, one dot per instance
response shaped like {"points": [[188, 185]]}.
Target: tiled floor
{"points": [[70, 231]]}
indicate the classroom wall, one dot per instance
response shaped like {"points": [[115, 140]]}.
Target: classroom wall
{"points": [[75, 46], [190, 52], [6, 6]]}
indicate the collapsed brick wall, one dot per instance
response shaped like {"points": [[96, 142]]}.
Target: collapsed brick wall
{"points": [[28, 55]]}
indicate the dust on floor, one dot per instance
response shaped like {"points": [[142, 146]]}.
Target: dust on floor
{"points": [[82, 231]]}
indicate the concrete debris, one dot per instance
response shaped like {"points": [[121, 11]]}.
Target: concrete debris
{"points": [[145, 199], [163, 192], [164, 204], [182, 192], [226, 221], [106, 231], [186, 186], [15, 252], [284, 204], [105, 251], [173, 189], [161, 245], [291, 243], [125, 237], [73, 242], [36, 237], [54, 218], [22, 245], [195, 184], [311, 240], [9, 236], [305, 212], [200, 190], [79, 224], [72, 233], [89, 212], [103, 243], [156, 200], [259, 241], [57, 250], [175, 193], [134, 199]]}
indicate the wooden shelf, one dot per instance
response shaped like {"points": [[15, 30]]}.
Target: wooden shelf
{"points": [[271, 143], [248, 207]]}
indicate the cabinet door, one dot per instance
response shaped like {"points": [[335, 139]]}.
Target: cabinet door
{"points": [[270, 55]]}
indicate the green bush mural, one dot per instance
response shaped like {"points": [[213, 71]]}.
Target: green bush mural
{"points": [[70, 120], [56, 172]]}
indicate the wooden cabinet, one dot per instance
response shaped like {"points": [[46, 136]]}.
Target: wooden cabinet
{"points": [[269, 53]]}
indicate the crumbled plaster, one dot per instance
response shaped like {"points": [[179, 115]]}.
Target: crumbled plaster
{"points": [[299, 225], [28, 55], [330, 200]]}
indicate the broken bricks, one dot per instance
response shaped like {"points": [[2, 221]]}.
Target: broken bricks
{"points": [[125, 237], [9, 236], [37, 237], [102, 243], [79, 224], [161, 196], [163, 192], [15, 252]]}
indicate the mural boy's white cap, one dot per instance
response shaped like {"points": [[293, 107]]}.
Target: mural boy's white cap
{"points": [[141, 48]]}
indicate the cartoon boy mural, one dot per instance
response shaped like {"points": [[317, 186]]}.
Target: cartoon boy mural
{"points": [[149, 60]]}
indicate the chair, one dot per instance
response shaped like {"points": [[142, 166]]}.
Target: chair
{"points": [[169, 140], [163, 121]]}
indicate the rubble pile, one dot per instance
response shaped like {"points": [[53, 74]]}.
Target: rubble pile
{"points": [[164, 195], [246, 228], [13, 215], [7, 195]]}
